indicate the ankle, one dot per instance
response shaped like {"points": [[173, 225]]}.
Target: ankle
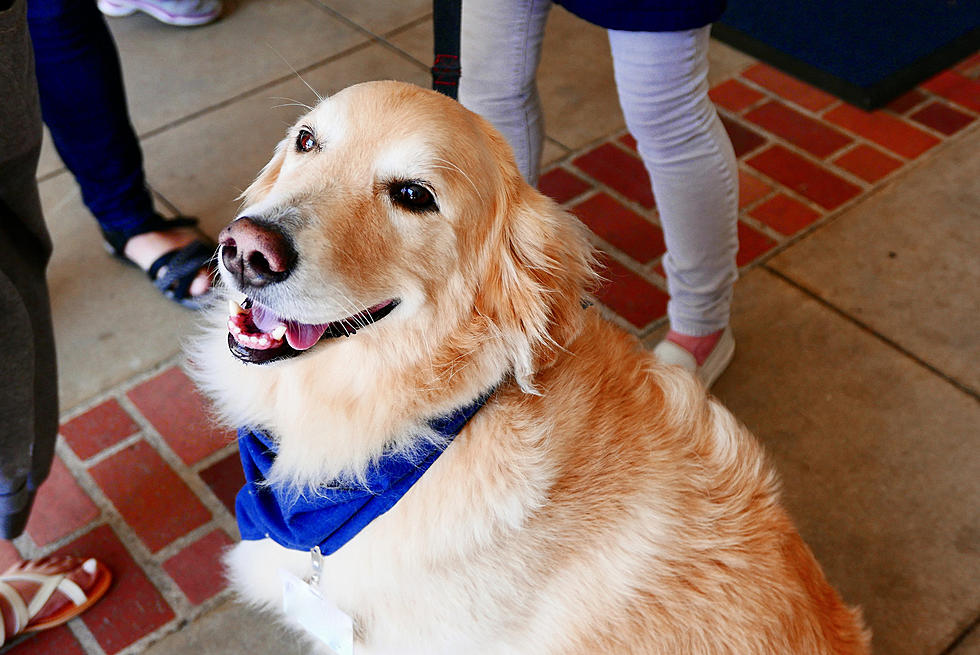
{"points": [[700, 347], [144, 249]]}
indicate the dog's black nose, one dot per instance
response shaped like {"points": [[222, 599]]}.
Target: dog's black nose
{"points": [[256, 254]]}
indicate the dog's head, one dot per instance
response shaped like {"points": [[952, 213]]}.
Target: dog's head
{"points": [[390, 212]]}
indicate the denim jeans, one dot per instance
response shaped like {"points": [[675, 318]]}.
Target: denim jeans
{"points": [[83, 104]]}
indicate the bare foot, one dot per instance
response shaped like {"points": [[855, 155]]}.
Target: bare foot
{"points": [[700, 347], [144, 249]]}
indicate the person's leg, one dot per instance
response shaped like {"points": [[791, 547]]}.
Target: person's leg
{"points": [[29, 404], [83, 102], [500, 47], [663, 88], [37, 594], [84, 106]]}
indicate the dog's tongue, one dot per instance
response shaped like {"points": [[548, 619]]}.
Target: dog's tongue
{"points": [[300, 336]]}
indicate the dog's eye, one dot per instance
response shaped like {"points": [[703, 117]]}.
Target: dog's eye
{"points": [[413, 196], [305, 141]]}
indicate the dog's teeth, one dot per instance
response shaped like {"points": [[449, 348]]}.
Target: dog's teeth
{"points": [[234, 308], [278, 333]]}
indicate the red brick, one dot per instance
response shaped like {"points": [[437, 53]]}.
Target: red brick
{"points": [[8, 555], [61, 507], [55, 641], [907, 101], [942, 118], [629, 295], [734, 96], [750, 189], [789, 88], [806, 178], [744, 140], [751, 245], [620, 170], [178, 412], [197, 569], [868, 163], [151, 498], [625, 229], [884, 129], [561, 186], [960, 89], [813, 136], [784, 214], [98, 428], [225, 477], [133, 608]]}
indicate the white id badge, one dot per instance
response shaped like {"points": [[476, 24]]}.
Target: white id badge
{"points": [[319, 616]]}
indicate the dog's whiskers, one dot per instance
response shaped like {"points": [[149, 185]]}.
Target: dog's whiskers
{"points": [[359, 317], [319, 98], [292, 103]]}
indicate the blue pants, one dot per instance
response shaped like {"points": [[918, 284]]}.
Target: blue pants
{"points": [[84, 106]]}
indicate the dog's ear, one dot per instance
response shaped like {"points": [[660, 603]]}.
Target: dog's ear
{"points": [[267, 176], [541, 273]]}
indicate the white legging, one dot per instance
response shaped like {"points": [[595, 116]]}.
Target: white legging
{"points": [[662, 80]]}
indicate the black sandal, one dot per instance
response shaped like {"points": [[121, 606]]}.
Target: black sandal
{"points": [[181, 264]]}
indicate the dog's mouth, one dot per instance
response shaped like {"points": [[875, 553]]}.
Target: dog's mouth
{"points": [[257, 335]]}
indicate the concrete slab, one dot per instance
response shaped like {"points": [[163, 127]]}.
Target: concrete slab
{"points": [[575, 80], [171, 73], [416, 41], [878, 458], [379, 16], [725, 62], [110, 322], [230, 629], [905, 262], [49, 162]]}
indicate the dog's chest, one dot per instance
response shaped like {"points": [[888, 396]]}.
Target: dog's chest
{"points": [[402, 604]]}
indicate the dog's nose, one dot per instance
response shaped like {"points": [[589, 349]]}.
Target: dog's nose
{"points": [[256, 254]]}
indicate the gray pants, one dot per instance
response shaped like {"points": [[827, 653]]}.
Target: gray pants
{"points": [[29, 399], [662, 80]]}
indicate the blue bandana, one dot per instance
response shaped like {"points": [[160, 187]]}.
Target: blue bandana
{"points": [[331, 516]]}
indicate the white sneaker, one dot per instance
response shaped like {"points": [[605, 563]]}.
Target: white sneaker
{"points": [[183, 13], [669, 352]]}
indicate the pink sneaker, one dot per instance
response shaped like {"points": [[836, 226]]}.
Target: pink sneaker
{"points": [[669, 352], [183, 13]]}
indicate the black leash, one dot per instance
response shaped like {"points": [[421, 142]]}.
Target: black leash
{"points": [[446, 27]]}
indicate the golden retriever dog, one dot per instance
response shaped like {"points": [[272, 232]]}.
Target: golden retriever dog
{"points": [[391, 266]]}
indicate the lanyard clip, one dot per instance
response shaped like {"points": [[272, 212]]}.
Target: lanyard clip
{"points": [[316, 560]]}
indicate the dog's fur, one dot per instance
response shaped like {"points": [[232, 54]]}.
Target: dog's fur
{"points": [[599, 503]]}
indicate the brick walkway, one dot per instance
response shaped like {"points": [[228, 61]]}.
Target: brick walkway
{"points": [[143, 479]]}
